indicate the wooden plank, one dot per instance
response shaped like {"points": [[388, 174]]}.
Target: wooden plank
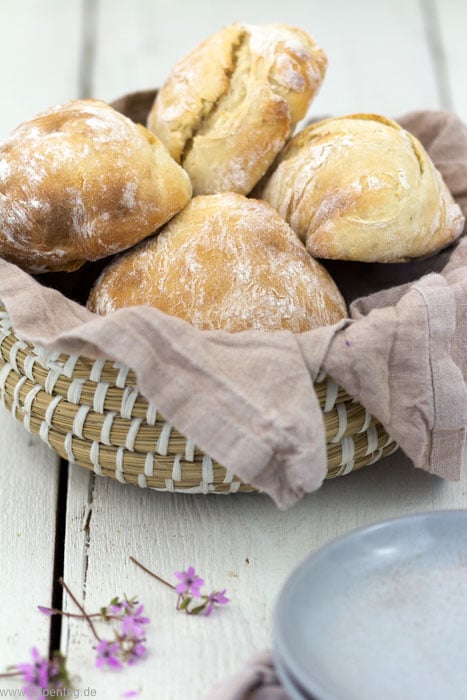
{"points": [[28, 497], [39, 54], [241, 542], [379, 59], [451, 18], [40, 64]]}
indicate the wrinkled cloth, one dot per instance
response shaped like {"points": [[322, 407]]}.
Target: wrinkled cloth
{"points": [[257, 680], [247, 399]]}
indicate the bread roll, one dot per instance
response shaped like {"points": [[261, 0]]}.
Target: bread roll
{"points": [[80, 182], [362, 188], [225, 262], [228, 108]]}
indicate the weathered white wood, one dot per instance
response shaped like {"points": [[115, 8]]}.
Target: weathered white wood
{"points": [[28, 496], [452, 18], [378, 53], [241, 542], [39, 55]]}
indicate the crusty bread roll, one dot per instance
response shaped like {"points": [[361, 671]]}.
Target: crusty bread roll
{"points": [[80, 182], [225, 262], [362, 188], [228, 108]]}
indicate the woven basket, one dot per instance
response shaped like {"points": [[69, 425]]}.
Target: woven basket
{"points": [[91, 413]]}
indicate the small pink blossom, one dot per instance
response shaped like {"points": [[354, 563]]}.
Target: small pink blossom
{"points": [[132, 624], [190, 582], [215, 598], [136, 653], [118, 608], [42, 674], [107, 654], [115, 608], [36, 674]]}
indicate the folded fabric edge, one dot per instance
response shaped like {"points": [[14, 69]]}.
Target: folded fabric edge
{"points": [[266, 465]]}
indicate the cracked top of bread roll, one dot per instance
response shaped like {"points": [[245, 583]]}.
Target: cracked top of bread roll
{"points": [[362, 188], [229, 106], [225, 262], [80, 182]]}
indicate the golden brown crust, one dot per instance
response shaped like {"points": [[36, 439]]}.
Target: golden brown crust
{"points": [[229, 107], [362, 188], [80, 182], [225, 262]]}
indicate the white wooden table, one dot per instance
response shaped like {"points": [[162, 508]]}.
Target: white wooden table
{"points": [[387, 57]]}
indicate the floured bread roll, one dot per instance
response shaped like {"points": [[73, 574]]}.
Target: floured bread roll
{"points": [[362, 188], [80, 182], [225, 262], [229, 107]]}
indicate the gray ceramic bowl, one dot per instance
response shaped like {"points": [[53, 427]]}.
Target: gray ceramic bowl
{"points": [[379, 614]]}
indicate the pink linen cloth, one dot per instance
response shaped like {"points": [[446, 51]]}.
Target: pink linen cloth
{"points": [[247, 399], [257, 680]]}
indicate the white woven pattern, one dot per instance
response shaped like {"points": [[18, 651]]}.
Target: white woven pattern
{"points": [[49, 360], [372, 436], [132, 433], [74, 391], [332, 391], [18, 345], [342, 417], [378, 454], [163, 442], [366, 422], [79, 420], [100, 396], [130, 394], [107, 427], [347, 462], [122, 375], [16, 393], [96, 371]]}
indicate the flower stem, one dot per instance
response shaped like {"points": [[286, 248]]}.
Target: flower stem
{"points": [[56, 611], [10, 675], [151, 573], [80, 607]]}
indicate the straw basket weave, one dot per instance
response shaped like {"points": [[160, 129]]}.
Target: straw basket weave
{"points": [[91, 413]]}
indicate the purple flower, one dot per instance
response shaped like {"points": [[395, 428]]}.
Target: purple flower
{"points": [[130, 694], [189, 582], [118, 608], [42, 675], [136, 653], [215, 598], [37, 673], [46, 611], [115, 608], [107, 654], [132, 623]]}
